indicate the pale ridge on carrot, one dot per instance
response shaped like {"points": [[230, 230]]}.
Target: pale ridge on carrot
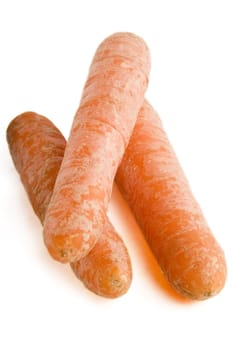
{"points": [[37, 148], [152, 181], [101, 129]]}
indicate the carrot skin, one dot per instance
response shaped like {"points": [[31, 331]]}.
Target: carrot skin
{"points": [[152, 181], [106, 270], [37, 149], [100, 132]]}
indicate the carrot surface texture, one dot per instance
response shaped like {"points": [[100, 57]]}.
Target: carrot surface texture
{"points": [[102, 126], [37, 149], [152, 181]]}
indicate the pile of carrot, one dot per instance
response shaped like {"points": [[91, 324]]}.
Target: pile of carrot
{"points": [[115, 135]]}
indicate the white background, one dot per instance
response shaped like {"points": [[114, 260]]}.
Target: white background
{"points": [[45, 51]]}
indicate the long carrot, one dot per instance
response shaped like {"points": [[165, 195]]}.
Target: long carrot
{"points": [[37, 148], [101, 129], [152, 181]]}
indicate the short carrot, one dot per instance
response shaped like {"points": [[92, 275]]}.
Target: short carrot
{"points": [[112, 97], [152, 181], [37, 148]]}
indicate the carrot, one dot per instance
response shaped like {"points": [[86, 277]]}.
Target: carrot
{"points": [[37, 148], [152, 181], [101, 129], [106, 270]]}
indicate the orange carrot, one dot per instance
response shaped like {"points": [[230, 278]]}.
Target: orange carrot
{"points": [[101, 129], [37, 148], [106, 270], [157, 190]]}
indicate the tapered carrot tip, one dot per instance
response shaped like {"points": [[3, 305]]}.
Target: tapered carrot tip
{"points": [[108, 275]]}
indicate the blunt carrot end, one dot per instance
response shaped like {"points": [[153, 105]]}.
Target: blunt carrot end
{"points": [[110, 274], [201, 279], [63, 249]]}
